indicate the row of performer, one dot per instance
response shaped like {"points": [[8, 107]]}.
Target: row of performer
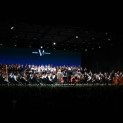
{"points": [[30, 74]]}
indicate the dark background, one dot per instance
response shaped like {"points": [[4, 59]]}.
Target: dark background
{"points": [[103, 60], [103, 17]]}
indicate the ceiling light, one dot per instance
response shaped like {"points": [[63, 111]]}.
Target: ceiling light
{"points": [[12, 27], [86, 50], [77, 36], [54, 43]]}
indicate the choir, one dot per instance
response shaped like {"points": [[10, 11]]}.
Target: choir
{"points": [[49, 74]]}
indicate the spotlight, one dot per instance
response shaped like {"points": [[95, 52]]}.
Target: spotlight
{"points": [[41, 47], [1, 44], [15, 45]]}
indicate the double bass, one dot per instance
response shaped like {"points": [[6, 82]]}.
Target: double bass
{"points": [[116, 79]]}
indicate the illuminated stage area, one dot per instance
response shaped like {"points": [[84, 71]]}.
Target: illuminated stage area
{"points": [[38, 66], [13, 55]]}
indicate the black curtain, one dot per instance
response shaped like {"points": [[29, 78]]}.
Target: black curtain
{"points": [[103, 59]]}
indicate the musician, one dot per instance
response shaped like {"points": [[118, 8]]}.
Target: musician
{"points": [[39, 69], [23, 79], [13, 78], [64, 77], [42, 68], [48, 68], [120, 79], [69, 73], [49, 77], [1, 78], [81, 70], [45, 68], [90, 73], [54, 70], [85, 69], [85, 78], [35, 69], [89, 79], [116, 79], [97, 78], [59, 76], [34, 79], [32, 69]]}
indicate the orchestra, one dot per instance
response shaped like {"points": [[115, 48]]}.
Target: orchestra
{"points": [[49, 74]]}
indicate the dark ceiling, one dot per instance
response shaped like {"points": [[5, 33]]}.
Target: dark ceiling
{"points": [[81, 34]]}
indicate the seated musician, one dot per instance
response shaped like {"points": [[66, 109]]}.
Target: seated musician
{"points": [[116, 79], [120, 79], [1, 78], [89, 79], [72, 79]]}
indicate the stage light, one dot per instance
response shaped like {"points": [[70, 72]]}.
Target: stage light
{"points": [[15, 45], [1, 44], [12, 27], [41, 47], [106, 33], [86, 49], [109, 39], [99, 46], [54, 43], [77, 36]]}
